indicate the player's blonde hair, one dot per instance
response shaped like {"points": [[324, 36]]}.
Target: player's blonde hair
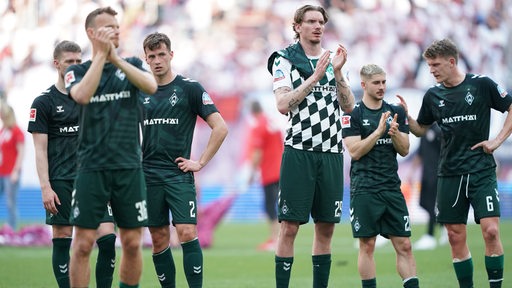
{"points": [[368, 70]]}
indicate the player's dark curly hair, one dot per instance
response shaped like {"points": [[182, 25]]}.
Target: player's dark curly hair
{"points": [[154, 40], [299, 15], [444, 48]]}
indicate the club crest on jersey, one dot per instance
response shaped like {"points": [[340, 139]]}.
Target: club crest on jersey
{"points": [[146, 100], [120, 74], [69, 78], [469, 98], [206, 99], [60, 109], [345, 121], [33, 114], [279, 75], [174, 99]]}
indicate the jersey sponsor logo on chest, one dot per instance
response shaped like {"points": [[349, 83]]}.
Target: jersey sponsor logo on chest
{"points": [[110, 97], [384, 141], [161, 121], [459, 118], [70, 129], [324, 88]]}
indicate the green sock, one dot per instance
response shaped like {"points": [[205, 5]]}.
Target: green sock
{"points": [[60, 261], [106, 262], [494, 266], [122, 285], [193, 263], [283, 271], [321, 270], [165, 269], [369, 283], [464, 272], [412, 282]]}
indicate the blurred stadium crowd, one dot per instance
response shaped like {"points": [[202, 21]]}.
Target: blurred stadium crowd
{"points": [[224, 44]]}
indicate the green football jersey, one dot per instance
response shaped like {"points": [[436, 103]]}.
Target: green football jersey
{"points": [[109, 135], [55, 114], [377, 171], [463, 113], [168, 127]]}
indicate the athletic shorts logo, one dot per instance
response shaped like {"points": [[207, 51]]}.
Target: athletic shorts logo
{"points": [[285, 209], [357, 226], [33, 113]]}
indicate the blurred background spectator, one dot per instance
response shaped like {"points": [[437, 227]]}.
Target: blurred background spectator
{"points": [[12, 145]]}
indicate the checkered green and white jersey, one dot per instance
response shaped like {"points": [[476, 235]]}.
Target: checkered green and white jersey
{"points": [[314, 125]]}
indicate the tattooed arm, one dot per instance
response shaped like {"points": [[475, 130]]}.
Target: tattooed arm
{"points": [[288, 99], [345, 96]]}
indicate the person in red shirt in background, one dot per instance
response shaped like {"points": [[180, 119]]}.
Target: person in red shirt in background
{"points": [[265, 151], [11, 157]]}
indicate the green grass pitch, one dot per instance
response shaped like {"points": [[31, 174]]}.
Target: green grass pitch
{"points": [[233, 261]]}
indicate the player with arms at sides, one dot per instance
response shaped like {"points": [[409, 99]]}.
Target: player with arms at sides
{"points": [[310, 88], [461, 105], [426, 160], [265, 150], [12, 151], [54, 126], [109, 151], [169, 120], [374, 132]]}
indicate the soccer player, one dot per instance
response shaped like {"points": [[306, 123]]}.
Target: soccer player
{"points": [[374, 132], [54, 126], [310, 88], [461, 105], [169, 121], [109, 152]]}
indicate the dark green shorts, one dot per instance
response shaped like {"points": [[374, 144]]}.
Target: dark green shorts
{"points": [[455, 195], [179, 198], [311, 183], [64, 189], [382, 213], [125, 189]]}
